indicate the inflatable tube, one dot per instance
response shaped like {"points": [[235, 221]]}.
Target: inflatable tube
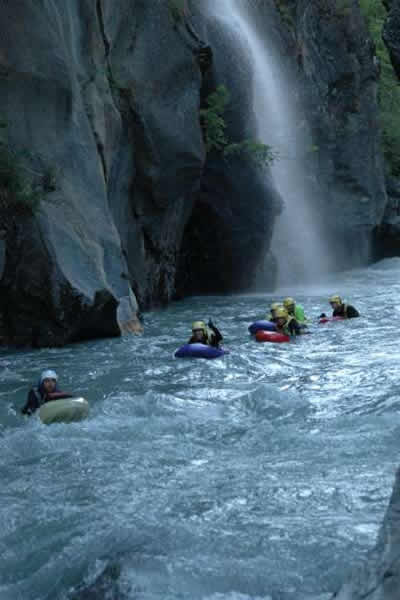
{"points": [[271, 336], [261, 326], [64, 411], [199, 351], [329, 319]]}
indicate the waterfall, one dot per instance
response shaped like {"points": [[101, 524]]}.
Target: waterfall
{"points": [[298, 242]]}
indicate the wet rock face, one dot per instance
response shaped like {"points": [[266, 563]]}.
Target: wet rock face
{"points": [[106, 94], [379, 579], [230, 228], [391, 33], [387, 234], [335, 58]]}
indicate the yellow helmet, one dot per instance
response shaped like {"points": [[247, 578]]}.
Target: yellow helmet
{"points": [[289, 302], [281, 313], [335, 298], [199, 325], [275, 306]]}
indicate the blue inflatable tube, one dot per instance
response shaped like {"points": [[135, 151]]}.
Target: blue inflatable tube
{"points": [[261, 326], [199, 351]]}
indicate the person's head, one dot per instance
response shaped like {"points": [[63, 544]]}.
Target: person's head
{"points": [[281, 316], [199, 330], [290, 305], [48, 380], [335, 302], [274, 306]]}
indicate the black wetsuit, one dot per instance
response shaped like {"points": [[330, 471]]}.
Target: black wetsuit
{"points": [[293, 327], [347, 311], [37, 396]]}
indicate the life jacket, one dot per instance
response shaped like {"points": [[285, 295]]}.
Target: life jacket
{"points": [[299, 314]]}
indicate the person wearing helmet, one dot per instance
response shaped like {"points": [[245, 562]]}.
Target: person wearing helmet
{"points": [[295, 310], [340, 309], [271, 315], [203, 334], [46, 391], [286, 324]]}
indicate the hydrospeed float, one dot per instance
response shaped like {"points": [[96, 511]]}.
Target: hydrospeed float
{"points": [[261, 326], [272, 336], [64, 411], [199, 351]]}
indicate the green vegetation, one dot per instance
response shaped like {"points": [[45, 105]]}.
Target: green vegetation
{"points": [[389, 88], [343, 7], [17, 190], [261, 154], [177, 10], [214, 128], [285, 10]]}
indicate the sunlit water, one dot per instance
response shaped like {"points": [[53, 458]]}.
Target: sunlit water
{"points": [[264, 474]]}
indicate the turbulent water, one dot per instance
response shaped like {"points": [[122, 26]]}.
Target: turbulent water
{"points": [[264, 474]]}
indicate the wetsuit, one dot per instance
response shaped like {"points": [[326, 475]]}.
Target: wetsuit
{"points": [[38, 396], [347, 311], [291, 327]]}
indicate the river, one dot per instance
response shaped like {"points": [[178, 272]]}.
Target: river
{"points": [[261, 475]]}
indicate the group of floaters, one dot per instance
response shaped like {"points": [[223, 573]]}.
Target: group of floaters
{"points": [[282, 322]]}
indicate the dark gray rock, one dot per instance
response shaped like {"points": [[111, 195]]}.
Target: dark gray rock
{"points": [[91, 89], [105, 587], [391, 33], [335, 58], [105, 96], [231, 225], [379, 578], [387, 234]]}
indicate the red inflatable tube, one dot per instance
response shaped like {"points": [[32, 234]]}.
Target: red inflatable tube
{"points": [[329, 319], [271, 336]]}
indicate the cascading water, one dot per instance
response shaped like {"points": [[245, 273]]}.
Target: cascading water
{"points": [[298, 242]]}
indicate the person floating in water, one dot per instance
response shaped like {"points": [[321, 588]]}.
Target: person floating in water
{"points": [[203, 334], [287, 324], [340, 309], [295, 310], [273, 308], [46, 391]]}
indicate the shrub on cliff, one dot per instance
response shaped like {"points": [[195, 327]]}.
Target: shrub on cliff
{"points": [[177, 9], [214, 130], [389, 88], [17, 190]]}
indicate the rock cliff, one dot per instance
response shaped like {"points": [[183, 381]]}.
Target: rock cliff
{"points": [[379, 578], [101, 102]]}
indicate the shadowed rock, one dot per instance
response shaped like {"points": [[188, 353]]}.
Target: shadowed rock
{"points": [[379, 578], [391, 34]]}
